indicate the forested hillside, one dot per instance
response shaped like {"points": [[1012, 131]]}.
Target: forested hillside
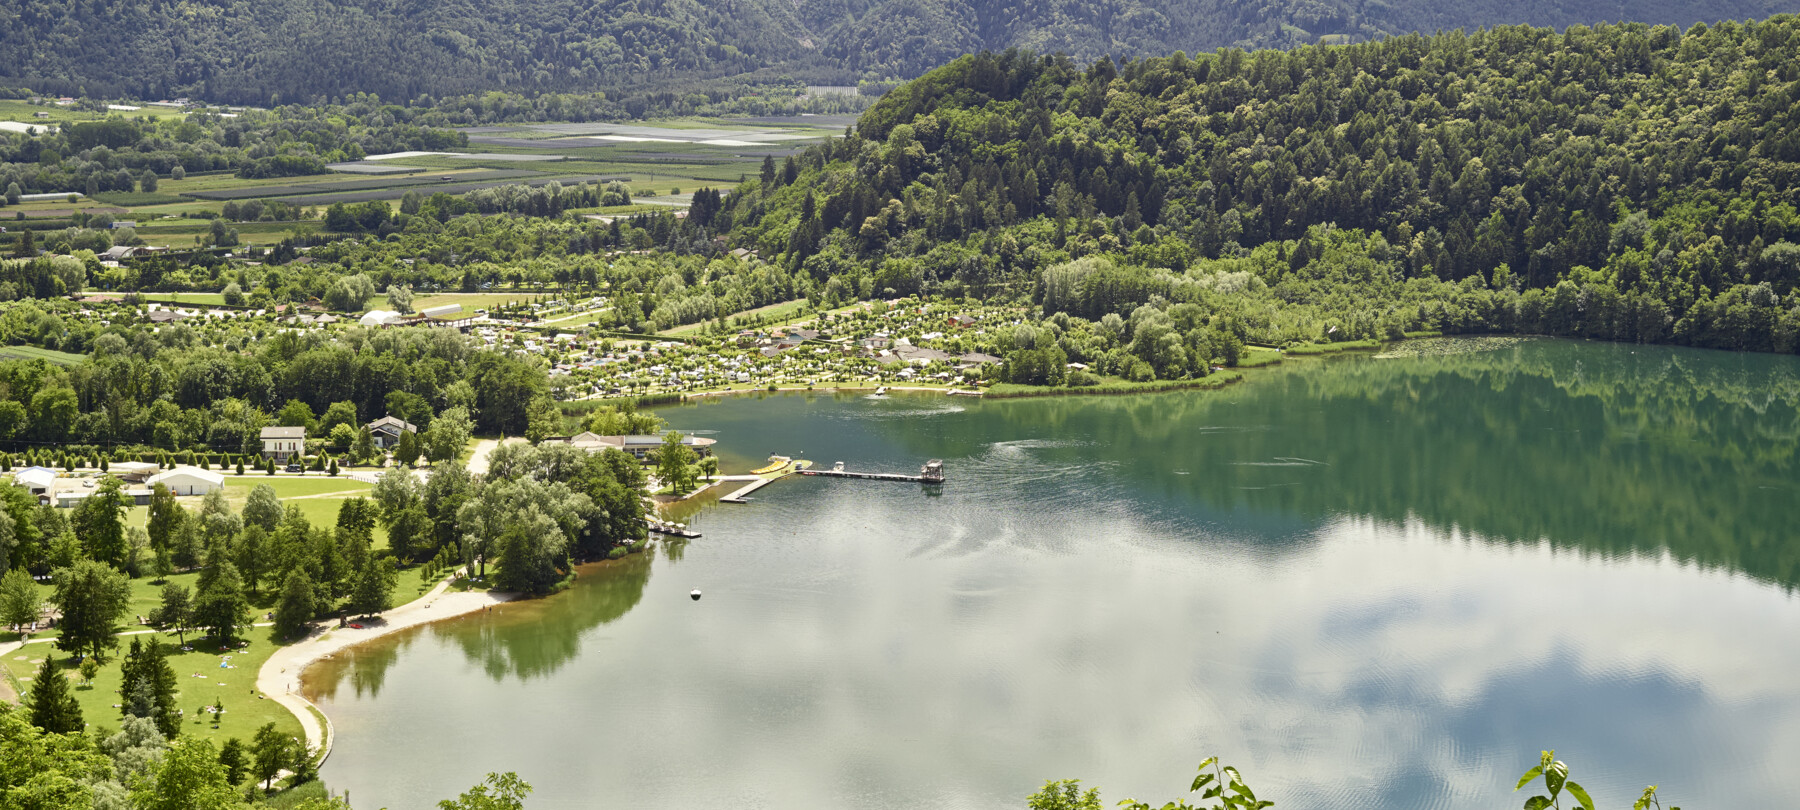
{"points": [[275, 51], [1628, 182]]}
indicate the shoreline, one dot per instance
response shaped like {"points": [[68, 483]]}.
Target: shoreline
{"points": [[279, 677], [835, 389]]}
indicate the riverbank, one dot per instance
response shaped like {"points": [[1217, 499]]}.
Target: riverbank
{"points": [[279, 677]]}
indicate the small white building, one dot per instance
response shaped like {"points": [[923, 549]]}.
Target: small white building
{"points": [[188, 481], [36, 480], [280, 443]]}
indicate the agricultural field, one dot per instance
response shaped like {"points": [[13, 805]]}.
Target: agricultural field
{"points": [[328, 186], [25, 112], [662, 164], [184, 232]]}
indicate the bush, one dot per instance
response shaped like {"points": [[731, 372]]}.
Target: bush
{"points": [[617, 552], [1082, 378]]}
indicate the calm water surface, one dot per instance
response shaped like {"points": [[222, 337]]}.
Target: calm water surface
{"points": [[1370, 582]]}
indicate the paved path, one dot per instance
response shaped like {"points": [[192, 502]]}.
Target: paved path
{"points": [[279, 678]]}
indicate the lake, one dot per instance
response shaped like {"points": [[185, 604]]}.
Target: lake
{"points": [[1374, 581]]}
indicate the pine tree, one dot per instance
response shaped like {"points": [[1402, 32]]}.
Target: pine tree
{"points": [[231, 755], [161, 677], [53, 706], [147, 687], [408, 450]]}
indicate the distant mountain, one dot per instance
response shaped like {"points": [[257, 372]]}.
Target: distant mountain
{"points": [[299, 50]]}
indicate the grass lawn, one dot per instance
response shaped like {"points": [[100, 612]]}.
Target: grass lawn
{"points": [[185, 298], [146, 597], [772, 315], [582, 318], [319, 496], [199, 679], [33, 353], [237, 487], [474, 301]]}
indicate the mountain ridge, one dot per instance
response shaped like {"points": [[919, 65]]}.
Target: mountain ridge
{"points": [[275, 51]]}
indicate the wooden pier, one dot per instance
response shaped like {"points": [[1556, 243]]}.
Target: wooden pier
{"points": [[659, 527], [742, 495]]}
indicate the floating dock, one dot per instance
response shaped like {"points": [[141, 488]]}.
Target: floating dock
{"points": [[764, 477], [932, 473], [871, 476]]}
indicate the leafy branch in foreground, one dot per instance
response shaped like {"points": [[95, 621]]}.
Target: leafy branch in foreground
{"points": [[1556, 780], [1222, 784], [1225, 785]]}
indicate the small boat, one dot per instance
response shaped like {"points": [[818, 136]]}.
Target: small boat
{"points": [[838, 467], [881, 392], [932, 472]]}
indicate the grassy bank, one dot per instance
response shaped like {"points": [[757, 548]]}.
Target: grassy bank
{"points": [[1329, 348], [1213, 381]]}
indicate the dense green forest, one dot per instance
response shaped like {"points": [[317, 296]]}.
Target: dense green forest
{"points": [[1625, 182], [305, 50], [181, 387]]}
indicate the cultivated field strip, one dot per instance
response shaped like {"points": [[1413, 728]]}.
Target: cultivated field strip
{"points": [[332, 186]]}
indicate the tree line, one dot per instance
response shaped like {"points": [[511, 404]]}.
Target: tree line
{"points": [[1622, 181]]}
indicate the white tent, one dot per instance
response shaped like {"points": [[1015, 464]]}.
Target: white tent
{"points": [[188, 481], [379, 317]]}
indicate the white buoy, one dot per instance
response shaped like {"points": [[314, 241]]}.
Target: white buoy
{"points": [[695, 593]]}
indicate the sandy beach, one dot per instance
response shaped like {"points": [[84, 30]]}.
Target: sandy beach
{"points": [[279, 678]]}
